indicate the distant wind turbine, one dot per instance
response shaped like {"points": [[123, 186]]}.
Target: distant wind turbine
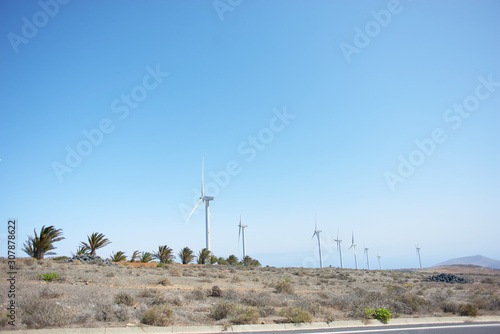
{"points": [[367, 258], [353, 246], [418, 253], [242, 229], [379, 263], [339, 248], [316, 233], [206, 200]]}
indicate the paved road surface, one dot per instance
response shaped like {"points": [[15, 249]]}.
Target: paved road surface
{"points": [[482, 328]]}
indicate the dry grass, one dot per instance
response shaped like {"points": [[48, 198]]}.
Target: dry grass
{"points": [[102, 296]]}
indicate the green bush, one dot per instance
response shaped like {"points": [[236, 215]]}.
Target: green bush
{"points": [[49, 277], [245, 315], [295, 315], [467, 310], [158, 315], [381, 314]]}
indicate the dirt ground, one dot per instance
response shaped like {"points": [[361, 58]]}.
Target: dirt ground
{"points": [[98, 295]]}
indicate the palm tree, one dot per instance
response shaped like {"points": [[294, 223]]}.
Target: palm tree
{"points": [[82, 250], [222, 261], [213, 259], [164, 254], [203, 256], [42, 244], [248, 261], [232, 260], [135, 255], [146, 257], [118, 257], [96, 241], [186, 255]]}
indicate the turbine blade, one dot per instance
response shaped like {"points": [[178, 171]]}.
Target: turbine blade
{"points": [[239, 234], [195, 208], [202, 173], [353, 238]]}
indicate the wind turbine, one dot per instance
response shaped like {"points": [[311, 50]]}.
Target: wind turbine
{"points": [[316, 233], [339, 248], [206, 200], [367, 258], [242, 228], [418, 253], [353, 246], [379, 263]]}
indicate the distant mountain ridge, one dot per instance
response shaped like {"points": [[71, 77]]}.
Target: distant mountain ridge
{"points": [[477, 260]]}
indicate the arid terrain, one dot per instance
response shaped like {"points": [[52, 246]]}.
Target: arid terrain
{"points": [[99, 295]]}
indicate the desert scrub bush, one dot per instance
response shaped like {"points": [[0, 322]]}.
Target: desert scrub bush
{"points": [[216, 291], [49, 277], [159, 299], [450, 307], [199, 294], [29, 261], [174, 271], [159, 315], [415, 302], [221, 310], [284, 286], [245, 315], [4, 320], [48, 293], [111, 312], [295, 315], [164, 281], [309, 306], [148, 293], [382, 314], [42, 313], [467, 310], [266, 311], [124, 298]]}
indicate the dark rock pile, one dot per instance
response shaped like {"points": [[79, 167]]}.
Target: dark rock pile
{"points": [[447, 278], [91, 259]]}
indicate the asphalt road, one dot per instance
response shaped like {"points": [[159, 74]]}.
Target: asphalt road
{"points": [[482, 328]]}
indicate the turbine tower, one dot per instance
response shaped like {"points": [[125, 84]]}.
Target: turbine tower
{"points": [[353, 246], [379, 263], [316, 233], [339, 248], [418, 253], [367, 258], [242, 228], [206, 200]]}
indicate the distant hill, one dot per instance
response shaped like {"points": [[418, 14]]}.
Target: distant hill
{"points": [[477, 260]]}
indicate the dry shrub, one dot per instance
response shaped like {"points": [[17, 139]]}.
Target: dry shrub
{"points": [[216, 291], [267, 311], [158, 315], [111, 312], [450, 307], [415, 302], [198, 294], [124, 298], [467, 310], [309, 306], [42, 313], [148, 293], [84, 317], [235, 279], [159, 299], [29, 261], [164, 281], [253, 298], [284, 286], [221, 310], [174, 271], [295, 315], [48, 293]]}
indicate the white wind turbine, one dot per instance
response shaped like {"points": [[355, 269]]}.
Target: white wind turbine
{"points": [[206, 200], [418, 253], [339, 248], [379, 262], [353, 246], [242, 228], [316, 233], [367, 258]]}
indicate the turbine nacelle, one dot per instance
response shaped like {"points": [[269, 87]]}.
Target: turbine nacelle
{"points": [[208, 198]]}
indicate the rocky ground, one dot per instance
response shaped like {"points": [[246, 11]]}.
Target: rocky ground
{"points": [[95, 293]]}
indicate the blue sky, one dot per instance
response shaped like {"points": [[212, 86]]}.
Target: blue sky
{"points": [[381, 117]]}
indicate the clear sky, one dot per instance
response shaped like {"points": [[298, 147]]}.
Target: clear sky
{"points": [[381, 117]]}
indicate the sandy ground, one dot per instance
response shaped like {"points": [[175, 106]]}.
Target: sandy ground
{"points": [[86, 294]]}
